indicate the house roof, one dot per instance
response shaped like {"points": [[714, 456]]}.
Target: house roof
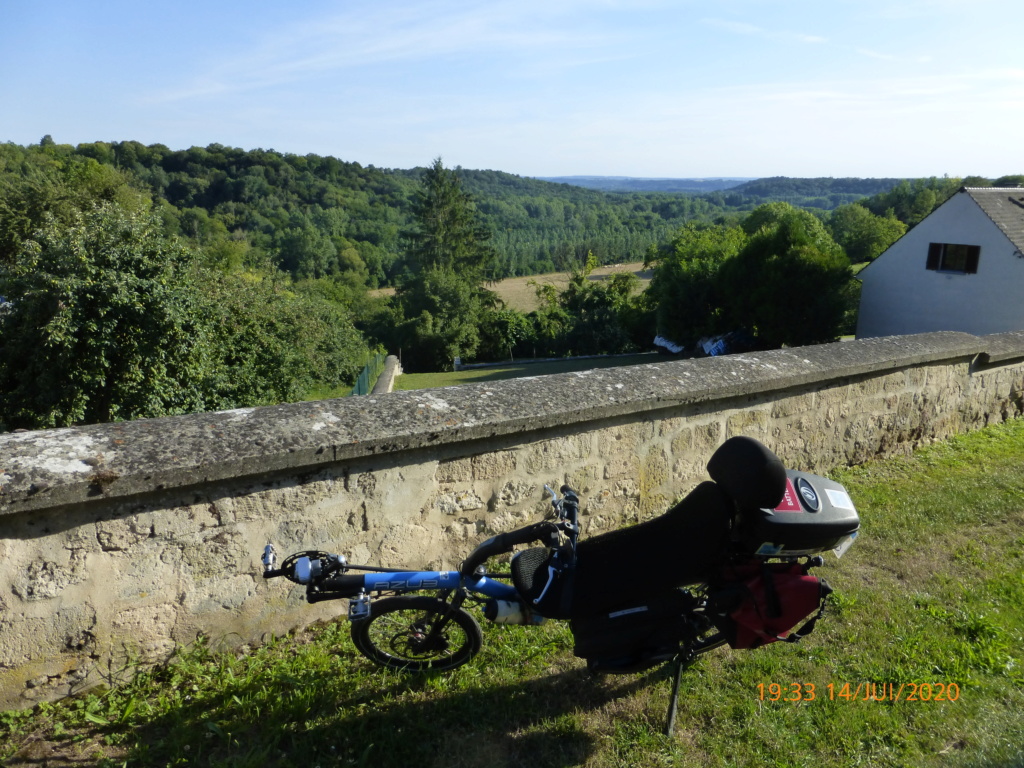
{"points": [[1005, 206]]}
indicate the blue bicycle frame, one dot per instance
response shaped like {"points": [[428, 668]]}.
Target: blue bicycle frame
{"points": [[326, 575], [357, 587], [403, 581]]}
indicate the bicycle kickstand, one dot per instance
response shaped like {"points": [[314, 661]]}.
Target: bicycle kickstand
{"points": [[673, 703]]}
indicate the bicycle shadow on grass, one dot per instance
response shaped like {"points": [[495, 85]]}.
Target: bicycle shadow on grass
{"points": [[404, 721]]}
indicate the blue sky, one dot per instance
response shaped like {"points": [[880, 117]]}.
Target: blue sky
{"points": [[534, 87]]}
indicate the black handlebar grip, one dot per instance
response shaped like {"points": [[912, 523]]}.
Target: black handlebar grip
{"points": [[570, 504], [273, 574]]}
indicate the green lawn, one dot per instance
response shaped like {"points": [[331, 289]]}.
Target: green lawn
{"points": [[932, 593], [497, 373], [518, 370]]}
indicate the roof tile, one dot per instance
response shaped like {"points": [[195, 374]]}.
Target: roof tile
{"points": [[1005, 206]]}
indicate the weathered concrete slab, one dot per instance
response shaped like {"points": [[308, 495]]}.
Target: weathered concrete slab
{"points": [[77, 465], [1002, 347]]}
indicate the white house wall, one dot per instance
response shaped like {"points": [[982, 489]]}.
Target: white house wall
{"points": [[900, 296]]}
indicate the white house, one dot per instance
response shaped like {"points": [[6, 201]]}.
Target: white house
{"points": [[960, 269]]}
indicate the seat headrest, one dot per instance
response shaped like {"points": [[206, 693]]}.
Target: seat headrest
{"points": [[749, 473]]}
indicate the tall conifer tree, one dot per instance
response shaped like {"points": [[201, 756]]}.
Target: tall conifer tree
{"points": [[444, 300]]}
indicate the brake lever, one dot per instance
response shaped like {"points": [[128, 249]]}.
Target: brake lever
{"points": [[556, 503]]}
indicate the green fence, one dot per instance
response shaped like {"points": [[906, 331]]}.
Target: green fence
{"points": [[368, 376]]}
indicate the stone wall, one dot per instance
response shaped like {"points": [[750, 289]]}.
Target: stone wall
{"points": [[119, 541]]}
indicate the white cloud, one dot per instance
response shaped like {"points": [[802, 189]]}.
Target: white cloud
{"points": [[382, 35]]}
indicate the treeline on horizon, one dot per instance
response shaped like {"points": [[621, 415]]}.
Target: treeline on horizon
{"points": [[144, 281]]}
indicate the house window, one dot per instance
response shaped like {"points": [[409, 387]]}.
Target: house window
{"points": [[953, 257]]}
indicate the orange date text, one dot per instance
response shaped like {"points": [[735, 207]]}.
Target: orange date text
{"points": [[875, 692]]}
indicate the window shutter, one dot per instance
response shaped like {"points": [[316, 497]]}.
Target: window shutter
{"points": [[971, 265], [934, 255]]}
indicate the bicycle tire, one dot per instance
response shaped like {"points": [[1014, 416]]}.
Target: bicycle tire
{"points": [[398, 634]]}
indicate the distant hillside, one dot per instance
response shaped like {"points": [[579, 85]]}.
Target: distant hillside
{"points": [[825, 192], [634, 184], [742, 193]]}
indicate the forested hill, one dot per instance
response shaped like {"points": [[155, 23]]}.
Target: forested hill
{"points": [[824, 193], [635, 184], [314, 216]]}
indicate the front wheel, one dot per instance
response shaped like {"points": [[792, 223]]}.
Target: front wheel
{"points": [[416, 634]]}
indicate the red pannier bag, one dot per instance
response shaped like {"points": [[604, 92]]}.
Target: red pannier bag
{"points": [[761, 603]]}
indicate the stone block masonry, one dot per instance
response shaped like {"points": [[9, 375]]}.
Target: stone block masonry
{"points": [[118, 541]]}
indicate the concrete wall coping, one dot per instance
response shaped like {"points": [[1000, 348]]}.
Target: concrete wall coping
{"points": [[52, 468], [1003, 347], [386, 381]]}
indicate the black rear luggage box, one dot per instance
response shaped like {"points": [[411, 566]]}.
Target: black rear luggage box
{"points": [[815, 515]]}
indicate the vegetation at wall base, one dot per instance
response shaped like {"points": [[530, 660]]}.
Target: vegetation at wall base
{"points": [[932, 594]]}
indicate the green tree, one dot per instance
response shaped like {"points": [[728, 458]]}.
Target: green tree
{"points": [[789, 284], [306, 252], [1013, 180], [501, 332], [862, 234], [779, 275], [110, 319], [269, 344], [101, 324], [911, 201], [442, 314], [38, 187], [443, 303], [685, 288], [448, 233], [590, 317]]}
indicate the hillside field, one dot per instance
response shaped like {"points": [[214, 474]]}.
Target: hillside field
{"points": [[520, 292]]}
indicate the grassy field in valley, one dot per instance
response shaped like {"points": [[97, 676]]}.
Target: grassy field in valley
{"points": [[521, 293], [933, 593], [514, 370]]}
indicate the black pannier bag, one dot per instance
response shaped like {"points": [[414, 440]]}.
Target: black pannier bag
{"points": [[683, 546], [633, 637]]}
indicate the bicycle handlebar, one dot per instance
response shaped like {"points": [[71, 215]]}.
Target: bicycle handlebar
{"points": [[503, 542], [567, 512]]}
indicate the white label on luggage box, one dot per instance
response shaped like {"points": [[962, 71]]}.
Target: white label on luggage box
{"points": [[840, 499]]}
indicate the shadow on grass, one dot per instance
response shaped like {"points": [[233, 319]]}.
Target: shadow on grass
{"points": [[405, 721]]}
